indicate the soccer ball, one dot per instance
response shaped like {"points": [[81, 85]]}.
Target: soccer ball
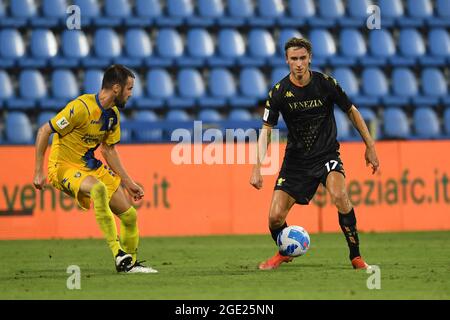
{"points": [[293, 241]]}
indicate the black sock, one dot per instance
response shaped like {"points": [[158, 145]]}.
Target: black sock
{"points": [[348, 227], [276, 231]]}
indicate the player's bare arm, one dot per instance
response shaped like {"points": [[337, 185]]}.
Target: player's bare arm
{"points": [[111, 156], [256, 179], [43, 134], [360, 125]]}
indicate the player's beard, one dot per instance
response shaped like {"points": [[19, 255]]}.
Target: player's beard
{"points": [[120, 101]]}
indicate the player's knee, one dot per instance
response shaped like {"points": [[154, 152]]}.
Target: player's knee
{"points": [[338, 196], [98, 190], [276, 219], [129, 217]]}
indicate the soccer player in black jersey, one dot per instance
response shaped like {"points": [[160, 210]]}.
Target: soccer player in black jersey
{"points": [[306, 100]]}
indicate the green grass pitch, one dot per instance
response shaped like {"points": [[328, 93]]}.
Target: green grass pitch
{"points": [[412, 266]]}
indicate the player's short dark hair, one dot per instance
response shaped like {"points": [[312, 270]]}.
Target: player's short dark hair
{"points": [[298, 42], [116, 74]]}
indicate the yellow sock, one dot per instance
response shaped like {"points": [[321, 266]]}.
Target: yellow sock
{"points": [[104, 216], [129, 233]]}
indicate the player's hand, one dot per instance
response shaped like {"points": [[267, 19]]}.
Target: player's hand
{"points": [[39, 180], [372, 159], [134, 190], [256, 179]]}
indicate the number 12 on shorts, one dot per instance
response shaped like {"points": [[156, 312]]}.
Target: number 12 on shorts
{"points": [[331, 165]]}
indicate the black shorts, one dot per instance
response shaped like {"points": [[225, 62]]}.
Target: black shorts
{"points": [[300, 180]]}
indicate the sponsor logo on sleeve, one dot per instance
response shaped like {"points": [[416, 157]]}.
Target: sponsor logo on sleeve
{"points": [[62, 123]]}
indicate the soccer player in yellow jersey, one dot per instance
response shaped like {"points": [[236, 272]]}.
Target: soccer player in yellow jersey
{"points": [[90, 121]]}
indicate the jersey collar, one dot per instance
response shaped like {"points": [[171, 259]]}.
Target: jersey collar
{"points": [[98, 102]]}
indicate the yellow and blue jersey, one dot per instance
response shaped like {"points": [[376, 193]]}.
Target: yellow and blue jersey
{"points": [[80, 128]]}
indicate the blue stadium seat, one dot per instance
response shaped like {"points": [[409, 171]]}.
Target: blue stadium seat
{"points": [[324, 46], [54, 13], [342, 125], [160, 87], [190, 87], [381, 46], [267, 13], [169, 46], [54, 8], [22, 12], [106, 46], [92, 82], [43, 47], [144, 135], [331, 11], [349, 83], [177, 115], [352, 48], [442, 17], [396, 125], [116, 12], [209, 115], [411, 47], [434, 88], [64, 88], [240, 115], [138, 44], [12, 47], [64, 85], [260, 48], [391, 10], [221, 87], [237, 14], [278, 74], [426, 123], [231, 46], [18, 128], [177, 12], [75, 46], [200, 43], [404, 87], [209, 11], [253, 87], [374, 83], [297, 13], [90, 10], [357, 13], [439, 46], [447, 122], [6, 86], [146, 13], [418, 12], [138, 47], [43, 44], [32, 89]]}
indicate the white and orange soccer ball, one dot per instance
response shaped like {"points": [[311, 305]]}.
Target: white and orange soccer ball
{"points": [[293, 241]]}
